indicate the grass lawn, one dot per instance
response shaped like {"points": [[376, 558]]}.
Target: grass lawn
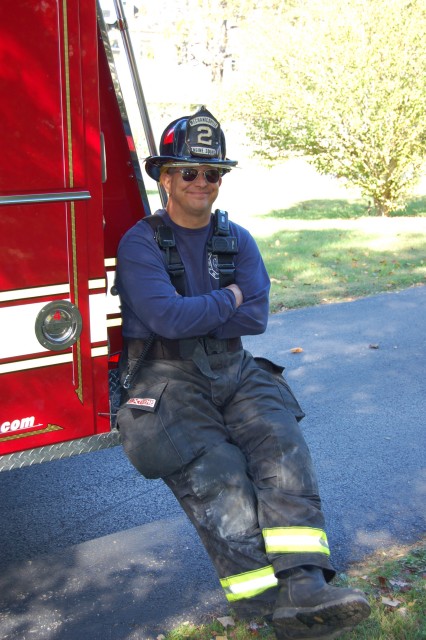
{"points": [[325, 251]]}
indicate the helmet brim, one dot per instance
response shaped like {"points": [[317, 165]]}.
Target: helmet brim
{"points": [[153, 164]]}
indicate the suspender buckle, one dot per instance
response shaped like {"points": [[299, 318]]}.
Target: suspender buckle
{"points": [[165, 237]]}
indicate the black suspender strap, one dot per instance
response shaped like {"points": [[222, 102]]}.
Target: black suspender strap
{"points": [[166, 241], [224, 246]]}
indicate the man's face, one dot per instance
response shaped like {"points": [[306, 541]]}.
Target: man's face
{"points": [[192, 199]]}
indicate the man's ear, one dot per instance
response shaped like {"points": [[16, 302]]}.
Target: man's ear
{"points": [[165, 180]]}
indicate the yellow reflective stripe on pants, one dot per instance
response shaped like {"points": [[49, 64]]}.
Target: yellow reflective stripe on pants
{"points": [[295, 540], [249, 584]]}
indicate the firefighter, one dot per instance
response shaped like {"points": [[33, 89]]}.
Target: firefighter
{"points": [[217, 425]]}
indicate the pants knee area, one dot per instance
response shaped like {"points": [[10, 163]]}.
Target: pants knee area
{"points": [[223, 467]]}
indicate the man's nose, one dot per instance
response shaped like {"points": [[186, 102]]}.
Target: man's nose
{"points": [[201, 177]]}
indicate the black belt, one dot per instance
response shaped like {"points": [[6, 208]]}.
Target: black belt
{"points": [[164, 349]]}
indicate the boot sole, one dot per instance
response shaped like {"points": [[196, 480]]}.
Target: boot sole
{"points": [[323, 621]]}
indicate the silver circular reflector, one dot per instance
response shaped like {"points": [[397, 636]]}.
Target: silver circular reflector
{"points": [[58, 325]]}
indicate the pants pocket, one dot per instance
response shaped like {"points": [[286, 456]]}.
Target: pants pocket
{"points": [[289, 399], [146, 441]]}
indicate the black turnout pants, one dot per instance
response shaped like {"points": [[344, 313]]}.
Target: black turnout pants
{"points": [[223, 434]]}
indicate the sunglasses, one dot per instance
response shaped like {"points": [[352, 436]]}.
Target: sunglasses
{"points": [[189, 175]]}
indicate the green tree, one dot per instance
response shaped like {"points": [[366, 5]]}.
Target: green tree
{"points": [[343, 83]]}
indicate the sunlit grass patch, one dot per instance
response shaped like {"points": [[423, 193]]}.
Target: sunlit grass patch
{"points": [[333, 209], [314, 266], [322, 209], [397, 594]]}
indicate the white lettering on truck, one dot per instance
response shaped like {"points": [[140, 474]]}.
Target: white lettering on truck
{"points": [[17, 425]]}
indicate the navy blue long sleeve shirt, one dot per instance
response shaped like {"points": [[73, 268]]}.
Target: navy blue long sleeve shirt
{"points": [[150, 303]]}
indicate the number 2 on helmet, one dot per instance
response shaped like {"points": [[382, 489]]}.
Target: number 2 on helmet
{"points": [[204, 135]]}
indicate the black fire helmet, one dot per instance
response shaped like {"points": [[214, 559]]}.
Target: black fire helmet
{"points": [[196, 139]]}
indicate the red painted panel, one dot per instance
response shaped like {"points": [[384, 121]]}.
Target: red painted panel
{"points": [[32, 122], [33, 245], [50, 128], [90, 133], [47, 395]]}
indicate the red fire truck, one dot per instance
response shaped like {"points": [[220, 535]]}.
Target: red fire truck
{"points": [[70, 186]]}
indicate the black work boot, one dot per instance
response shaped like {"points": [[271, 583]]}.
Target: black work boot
{"points": [[307, 607], [261, 606]]}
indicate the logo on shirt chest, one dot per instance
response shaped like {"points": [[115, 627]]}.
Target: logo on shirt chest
{"points": [[212, 263]]}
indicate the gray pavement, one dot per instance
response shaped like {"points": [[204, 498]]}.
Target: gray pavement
{"points": [[91, 550]]}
